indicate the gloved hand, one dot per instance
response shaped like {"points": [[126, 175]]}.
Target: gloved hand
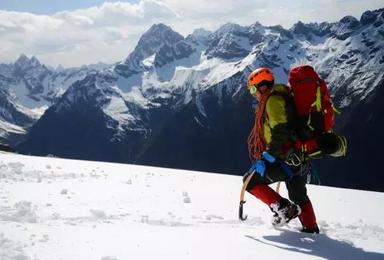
{"points": [[269, 157], [259, 167], [333, 144]]}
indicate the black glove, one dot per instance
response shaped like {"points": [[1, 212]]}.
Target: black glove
{"points": [[332, 144]]}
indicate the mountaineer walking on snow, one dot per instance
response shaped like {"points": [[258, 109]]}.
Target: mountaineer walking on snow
{"points": [[281, 143]]}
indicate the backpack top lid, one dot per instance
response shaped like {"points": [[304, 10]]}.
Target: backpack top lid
{"points": [[302, 74]]}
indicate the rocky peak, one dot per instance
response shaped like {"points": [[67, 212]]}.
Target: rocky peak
{"points": [[345, 27], [155, 38], [349, 22], [300, 28], [256, 32], [375, 17], [318, 29], [200, 35], [22, 59], [229, 41], [164, 31], [24, 64], [34, 62], [230, 28], [368, 17]]}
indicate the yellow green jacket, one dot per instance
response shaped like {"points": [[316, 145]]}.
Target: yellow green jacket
{"points": [[277, 121]]}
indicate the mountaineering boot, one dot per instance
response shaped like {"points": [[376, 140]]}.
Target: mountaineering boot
{"points": [[284, 211], [308, 219]]}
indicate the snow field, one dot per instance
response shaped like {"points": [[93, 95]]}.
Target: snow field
{"points": [[65, 209]]}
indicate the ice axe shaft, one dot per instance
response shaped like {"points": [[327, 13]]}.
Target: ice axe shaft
{"points": [[278, 187], [242, 194]]}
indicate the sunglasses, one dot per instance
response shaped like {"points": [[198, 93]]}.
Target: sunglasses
{"points": [[253, 89]]}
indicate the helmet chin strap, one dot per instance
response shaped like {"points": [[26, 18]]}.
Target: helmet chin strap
{"points": [[261, 91]]}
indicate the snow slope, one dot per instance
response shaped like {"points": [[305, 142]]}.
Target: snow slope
{"points": [[65, 209]]}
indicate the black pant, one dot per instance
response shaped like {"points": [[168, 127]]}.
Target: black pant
{"points": [[297, 191]]}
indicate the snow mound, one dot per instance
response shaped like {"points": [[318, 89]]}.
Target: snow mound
{"points": [[10, 250], [22, 212], [99, 214]]}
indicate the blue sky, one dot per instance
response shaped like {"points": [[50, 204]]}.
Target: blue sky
{"points": [[51, 6], [78, 32]]}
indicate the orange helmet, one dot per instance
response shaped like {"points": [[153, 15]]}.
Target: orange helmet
{"points": [[259, 77]]}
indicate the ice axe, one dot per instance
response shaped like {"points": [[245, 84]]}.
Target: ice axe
{"points": [[242, 194]]}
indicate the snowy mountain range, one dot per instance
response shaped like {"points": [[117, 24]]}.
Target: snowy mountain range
{"points": [[74, 210], [28, 88], [181, 102]]}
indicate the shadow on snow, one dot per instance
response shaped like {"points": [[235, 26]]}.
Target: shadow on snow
{"points": [[317, 245]]}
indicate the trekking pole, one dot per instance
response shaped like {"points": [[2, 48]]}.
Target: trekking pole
{"points": [[242, 194]]}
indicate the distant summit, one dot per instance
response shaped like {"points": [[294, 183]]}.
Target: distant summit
{"points": [[23, 63], [162, 42]]}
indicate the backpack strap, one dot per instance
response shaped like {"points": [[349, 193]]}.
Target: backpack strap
{"points": [[317, 102]]}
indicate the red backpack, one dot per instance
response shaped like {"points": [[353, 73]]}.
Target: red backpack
{"points": [[312, 101]]}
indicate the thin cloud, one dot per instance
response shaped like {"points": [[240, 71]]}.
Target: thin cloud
{"points": [[109, 32], [85, 35]]}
